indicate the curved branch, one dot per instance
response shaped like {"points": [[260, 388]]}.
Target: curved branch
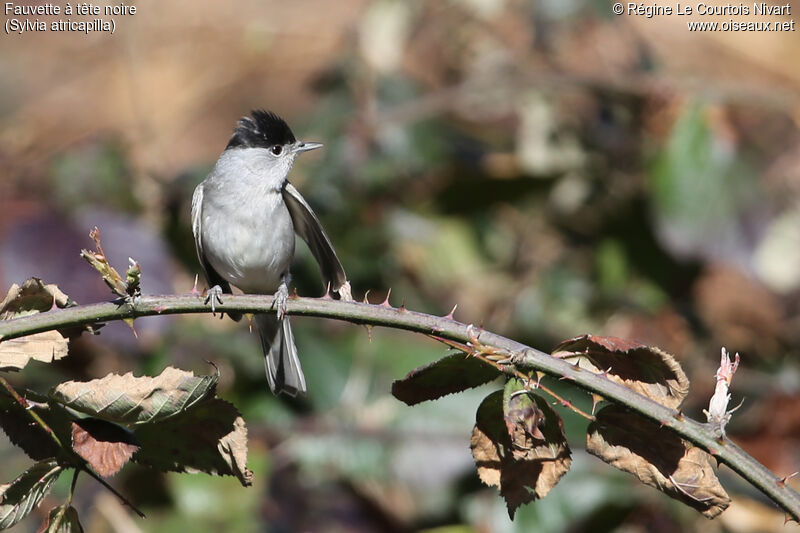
{"points": [[525, 357]]}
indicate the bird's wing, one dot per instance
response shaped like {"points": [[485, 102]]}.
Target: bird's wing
{"points": [[307, 225], [212, 276]]}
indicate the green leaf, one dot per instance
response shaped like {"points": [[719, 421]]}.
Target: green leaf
{"points": [[521, 412], [450, 374], [136, 400], [62, 519], [700, 185], [210, 437], [22, 495]]}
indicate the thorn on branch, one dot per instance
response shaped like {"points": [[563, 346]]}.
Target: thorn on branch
{"points": [[194, 290], [386, 301], [327, 295]]}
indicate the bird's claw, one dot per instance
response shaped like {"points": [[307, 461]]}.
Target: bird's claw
{"points": [[213, 296], [281, 297]]}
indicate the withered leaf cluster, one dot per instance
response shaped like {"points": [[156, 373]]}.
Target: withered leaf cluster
{"points": [[171, 422], [518, 441]]}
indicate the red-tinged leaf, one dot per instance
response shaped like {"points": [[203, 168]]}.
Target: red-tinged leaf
{"points": [[522, 466], [104, 445], [453, 373], [658, 457], [647, 370]]}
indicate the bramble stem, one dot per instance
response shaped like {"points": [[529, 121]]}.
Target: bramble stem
{"points": [[523, 358]]}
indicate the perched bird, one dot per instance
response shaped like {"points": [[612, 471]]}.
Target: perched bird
{"points": [[244, 217]]}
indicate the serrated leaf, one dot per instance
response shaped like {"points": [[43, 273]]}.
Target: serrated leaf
{"points": [[62, 519], [22, 495], [46, 347], [210, 437], [104, 445], [647, 370], [22, 431], [450, 374], [136, 400], [658, 457], [34, 296], [523, 467]]}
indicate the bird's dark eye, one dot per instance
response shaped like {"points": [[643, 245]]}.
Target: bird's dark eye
{"points": [[277, 149]]}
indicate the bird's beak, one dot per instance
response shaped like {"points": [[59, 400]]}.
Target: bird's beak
{"points": [[301, 146]]}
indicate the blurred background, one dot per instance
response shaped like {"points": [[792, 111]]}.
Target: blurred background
{"points": [[548, 166]]}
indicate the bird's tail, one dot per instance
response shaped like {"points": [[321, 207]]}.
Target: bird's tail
{"points": [[284, 373]]}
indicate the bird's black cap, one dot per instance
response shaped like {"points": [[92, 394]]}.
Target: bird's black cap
{"points": [[263, 130]]}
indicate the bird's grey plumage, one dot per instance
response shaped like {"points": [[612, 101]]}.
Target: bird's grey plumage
{"points": [[307, 225], [244, 217]]}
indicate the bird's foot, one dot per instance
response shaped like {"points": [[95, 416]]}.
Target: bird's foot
{"points": [[344, 292], [214, 296], [281, 297]]}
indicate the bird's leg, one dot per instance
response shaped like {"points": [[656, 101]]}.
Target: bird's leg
{"points": [[213, 295], [282, 296]]}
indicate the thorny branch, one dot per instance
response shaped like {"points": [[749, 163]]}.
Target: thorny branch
{"points": [[513, 356]]}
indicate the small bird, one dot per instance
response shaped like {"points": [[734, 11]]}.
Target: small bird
{"points": [[244, 217]]}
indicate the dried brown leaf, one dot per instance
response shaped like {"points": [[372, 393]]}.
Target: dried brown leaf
{"points": [[104, 445], [34, 296], [128, 399], [210, 437], [523, 469], [46, 347], [647, 370], [658, 457]]}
